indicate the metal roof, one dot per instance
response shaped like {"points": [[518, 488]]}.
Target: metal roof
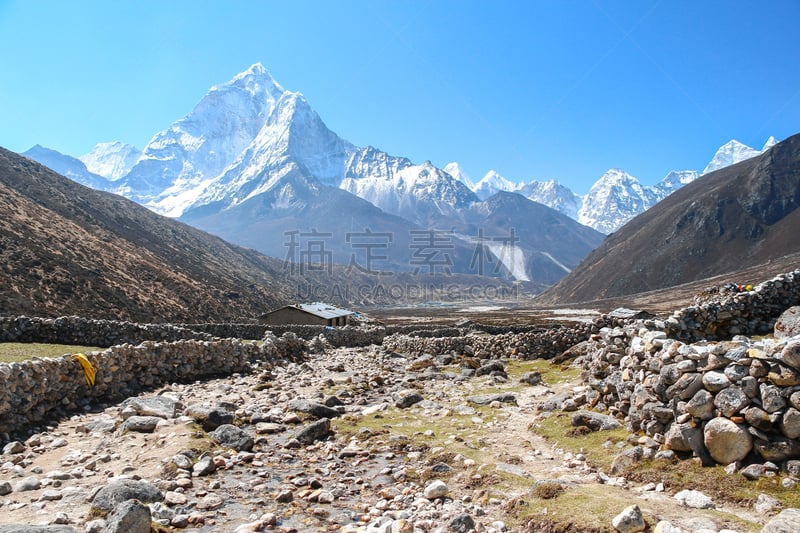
{"points": [[323, 310]]}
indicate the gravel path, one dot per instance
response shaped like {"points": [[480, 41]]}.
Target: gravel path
{"points": [[350, 440]]}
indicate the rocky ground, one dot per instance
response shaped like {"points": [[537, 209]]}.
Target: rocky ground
{"points": [[356, 439]]}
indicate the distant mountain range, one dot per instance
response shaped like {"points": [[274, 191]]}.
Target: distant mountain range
{"points": [[256, 165], [730, 219], [614, 199]]}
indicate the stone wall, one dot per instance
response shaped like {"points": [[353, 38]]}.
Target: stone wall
{"points": [[42, 389], [542, 343], [89, 332], [726, 402], [723, 312], [104, 333]]}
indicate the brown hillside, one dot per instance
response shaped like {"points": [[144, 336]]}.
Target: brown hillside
{"points": [[68, 249], [732, 219]]}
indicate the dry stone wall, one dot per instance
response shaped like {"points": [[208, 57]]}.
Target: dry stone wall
{"points": [[542, 343], [728, 402], [723, 312], [42, 389], [89, 332]]}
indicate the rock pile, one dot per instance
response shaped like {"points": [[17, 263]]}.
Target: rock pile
{"points": [[729, 402]]}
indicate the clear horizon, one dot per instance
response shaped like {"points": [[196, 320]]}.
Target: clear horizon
{"points": [[532, 90]]}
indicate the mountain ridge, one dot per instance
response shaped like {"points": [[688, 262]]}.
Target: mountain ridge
{"points": [[741, 215]]}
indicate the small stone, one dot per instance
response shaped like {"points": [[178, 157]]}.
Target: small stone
{"points": [[210, 502], [462, 523], [230, 436], [715, 381], [28, 484], [435, 489], [531, 378], [731, 400], [406, 398], [140, 424], [766, 504], [753, 472], [284, 496], [204, 466], [314, 431], [630, 520], [14, 447], [694, 499], [5, 488]]}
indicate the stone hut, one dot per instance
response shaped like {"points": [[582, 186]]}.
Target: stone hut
{"points": [[320, 314]]}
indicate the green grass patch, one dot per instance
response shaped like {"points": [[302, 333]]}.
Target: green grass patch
{"points": [[15, 352], [408, 423], [557, 428], [598, 505], [551, 374], [713, 481]]}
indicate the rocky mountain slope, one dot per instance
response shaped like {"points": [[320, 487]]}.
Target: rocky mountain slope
{"points": [[68, 249], [730, 219]]}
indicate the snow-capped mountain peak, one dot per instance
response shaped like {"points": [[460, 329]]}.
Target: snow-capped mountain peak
{"points": [[493, 183], [728, 154], [112, 160], [554, 195], [772, 141], [613, 200], [455, 170]]}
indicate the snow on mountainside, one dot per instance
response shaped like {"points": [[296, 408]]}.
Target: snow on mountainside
{"points": [[197, 148], [672, 182], [68, 166], [420, 193], [613, 200], [455, 170], [554, 195], [112, 160], [733, 152], [493, 183]]}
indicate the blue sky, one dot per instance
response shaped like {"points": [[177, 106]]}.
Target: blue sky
{"points": [[534, 90]]}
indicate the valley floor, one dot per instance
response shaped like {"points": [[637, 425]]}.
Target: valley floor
{"points": [[483, 437]]}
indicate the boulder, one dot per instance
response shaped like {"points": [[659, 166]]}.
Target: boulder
{"points": [[787, 521], [788, 324], [317, 410], [160, 406], [131, 516], [140, 424], [595, 421], [778, 449], [314, 431], [209, 417], [120, 491], [230, 436], [726, 441], [630, 520]]}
